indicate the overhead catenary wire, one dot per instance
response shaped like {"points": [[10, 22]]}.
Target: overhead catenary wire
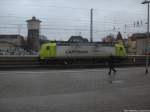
{"points": [[57, 21]]}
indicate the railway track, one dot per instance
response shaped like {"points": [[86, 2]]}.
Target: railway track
{"points": [[30, 62]]}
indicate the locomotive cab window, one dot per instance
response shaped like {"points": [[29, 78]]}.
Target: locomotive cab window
{"points": [[48, 48], [121, 48]]}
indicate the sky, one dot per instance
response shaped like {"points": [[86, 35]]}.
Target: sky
{"points": [[64, 18]]}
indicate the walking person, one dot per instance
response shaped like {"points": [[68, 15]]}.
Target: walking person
{"points": [[111, 60], [111, 68]]}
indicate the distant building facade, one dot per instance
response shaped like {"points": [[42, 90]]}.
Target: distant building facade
{"points": [[109, 39], [139, 41], [11, 41], [131, 46], [12, 45], [33, 42]]}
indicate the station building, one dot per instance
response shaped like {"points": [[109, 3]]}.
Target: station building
{"points": [[12, 45], [7, 41], [138, 44]]}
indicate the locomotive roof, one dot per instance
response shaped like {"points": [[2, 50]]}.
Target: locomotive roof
{"points": [[86, 44]]}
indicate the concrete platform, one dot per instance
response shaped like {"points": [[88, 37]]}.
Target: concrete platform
{"points": [[80, 90]]}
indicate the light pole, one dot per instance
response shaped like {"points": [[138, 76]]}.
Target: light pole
{"points": [[147, 2], [91, 26]]}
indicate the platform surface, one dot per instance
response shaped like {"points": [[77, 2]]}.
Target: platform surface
{"points": [[80, 90]]}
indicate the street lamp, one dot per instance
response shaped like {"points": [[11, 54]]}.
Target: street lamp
{"points": [[147, 2]]}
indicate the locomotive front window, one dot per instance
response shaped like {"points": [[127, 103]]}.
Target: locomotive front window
{"points": [[121, 48], [48, 48]]}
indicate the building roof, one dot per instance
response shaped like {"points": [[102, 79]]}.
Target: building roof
{"points": [[34, 19], [77, 39], [12, 39], [139, 36], [2, 42], [14, 36]]}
